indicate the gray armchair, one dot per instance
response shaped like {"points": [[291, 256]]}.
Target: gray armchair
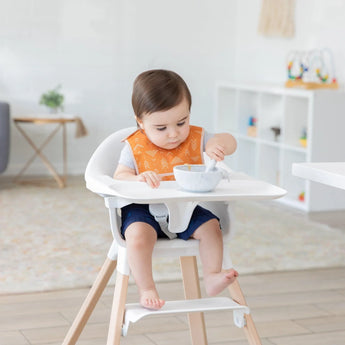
{"points": [[4, 135]]}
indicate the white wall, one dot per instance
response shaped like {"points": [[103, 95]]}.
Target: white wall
{"points": [[95, 49], [319, 24]]}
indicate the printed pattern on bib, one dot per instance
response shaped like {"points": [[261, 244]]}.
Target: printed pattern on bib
{"points": [[149, 157]]}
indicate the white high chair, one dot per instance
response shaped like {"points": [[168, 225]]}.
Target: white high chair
{"points": [[117, 194]]}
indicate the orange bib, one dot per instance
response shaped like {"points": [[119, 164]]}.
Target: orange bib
{"points": [[149, 157]]}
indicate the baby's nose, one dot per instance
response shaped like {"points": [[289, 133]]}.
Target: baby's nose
{"points": [[173, 133]]}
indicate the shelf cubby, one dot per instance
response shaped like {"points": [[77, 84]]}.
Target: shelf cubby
{"points": [[271, 116], [296, 119], [269, 157], [245, 156], [269, 163], [294, 185], [247, 107]]}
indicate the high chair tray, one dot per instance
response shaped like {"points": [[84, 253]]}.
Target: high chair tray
{"points": [[181, 203], [140, 192]]}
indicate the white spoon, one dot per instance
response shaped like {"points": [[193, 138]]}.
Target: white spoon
{"points": [[210, 166]]}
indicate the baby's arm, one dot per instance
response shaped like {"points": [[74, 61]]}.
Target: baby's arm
{"points": [[123, 172], [220, 145]]}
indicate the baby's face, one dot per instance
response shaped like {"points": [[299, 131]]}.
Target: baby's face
{"points": [[169, 128]]}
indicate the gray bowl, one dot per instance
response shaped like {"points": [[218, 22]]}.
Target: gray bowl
{"points": [[193, 178]]}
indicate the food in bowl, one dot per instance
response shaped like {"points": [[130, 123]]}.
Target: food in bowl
{"points": [[194, 178]]}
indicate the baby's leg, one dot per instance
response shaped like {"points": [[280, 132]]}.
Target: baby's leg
{"points": [[211, 254], [140, 239]]}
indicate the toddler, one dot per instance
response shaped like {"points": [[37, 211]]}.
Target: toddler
{"points": [[161, 102]]}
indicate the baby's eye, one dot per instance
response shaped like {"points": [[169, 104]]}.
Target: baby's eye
{"points": [[161, 128], [180, 124]]}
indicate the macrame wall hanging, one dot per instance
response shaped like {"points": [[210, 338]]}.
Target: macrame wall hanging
{"points": [[277, 18]]}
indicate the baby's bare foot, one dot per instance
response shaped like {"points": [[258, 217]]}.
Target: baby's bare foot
{"points": [[217, 282], [149, 299]]}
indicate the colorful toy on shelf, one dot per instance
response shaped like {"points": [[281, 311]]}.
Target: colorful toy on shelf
{"points": [[295, 77], [311, 70], [251, 131], [301, 197], [322, 79], [303, 138]]}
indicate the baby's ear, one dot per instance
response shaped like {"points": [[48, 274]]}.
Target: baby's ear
{"points": [[139, 122]]}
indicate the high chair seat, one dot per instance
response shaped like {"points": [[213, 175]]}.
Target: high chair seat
{"points": [[180, 204]]}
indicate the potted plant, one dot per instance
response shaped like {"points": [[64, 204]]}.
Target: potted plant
{"points": [[53, 99]]}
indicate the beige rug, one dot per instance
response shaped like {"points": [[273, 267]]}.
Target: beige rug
{"points": [[54, 238]]}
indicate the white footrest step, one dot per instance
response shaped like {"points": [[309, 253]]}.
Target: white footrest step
{"points": [[135, 311]]}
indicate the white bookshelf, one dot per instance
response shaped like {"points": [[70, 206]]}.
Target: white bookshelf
{"points": [[321, 113]]}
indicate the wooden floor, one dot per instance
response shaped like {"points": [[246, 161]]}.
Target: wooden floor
{"points": [[289, 308]]}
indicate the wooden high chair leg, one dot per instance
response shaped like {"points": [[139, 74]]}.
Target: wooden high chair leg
{"points": [[118, 309], [250, 330], [191, 285], [90, 302]]}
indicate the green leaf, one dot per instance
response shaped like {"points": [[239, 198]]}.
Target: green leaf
{"points": [[53, 98]]}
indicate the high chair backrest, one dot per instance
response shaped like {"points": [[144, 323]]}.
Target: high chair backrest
{"points": [[104, 160]]}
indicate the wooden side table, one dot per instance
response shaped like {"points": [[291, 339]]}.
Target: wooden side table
{"points": [[61, 124]]}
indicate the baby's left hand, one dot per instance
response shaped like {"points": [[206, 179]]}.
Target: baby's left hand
{"points": [[220, 145], [150, 177], [215, 151]]}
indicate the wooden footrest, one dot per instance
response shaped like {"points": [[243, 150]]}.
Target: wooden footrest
{"points": [[135, 311]]}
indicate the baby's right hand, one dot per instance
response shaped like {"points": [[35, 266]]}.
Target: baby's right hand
{"points": [[151, 178]]}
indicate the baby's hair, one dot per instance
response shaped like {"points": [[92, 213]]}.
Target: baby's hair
{"points": [[158, 90]]}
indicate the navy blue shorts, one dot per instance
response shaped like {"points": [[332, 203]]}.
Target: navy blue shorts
{"points": [[140, 213]]}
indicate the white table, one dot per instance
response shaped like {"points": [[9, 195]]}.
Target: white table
{"points": [[328, 173]]}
